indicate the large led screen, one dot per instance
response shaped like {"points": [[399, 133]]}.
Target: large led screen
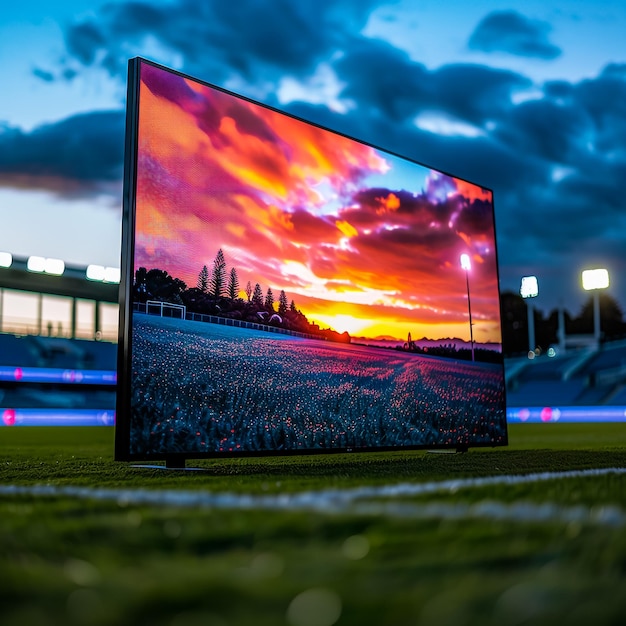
{"points": [[288, 289]]}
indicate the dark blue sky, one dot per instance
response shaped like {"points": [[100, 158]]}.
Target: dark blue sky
{"points": [[527, 98]]}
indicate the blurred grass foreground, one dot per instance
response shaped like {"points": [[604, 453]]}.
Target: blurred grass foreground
{"points": [[402, 538]]}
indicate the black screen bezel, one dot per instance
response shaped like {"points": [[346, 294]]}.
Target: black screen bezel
{"points": [[124, 371]]}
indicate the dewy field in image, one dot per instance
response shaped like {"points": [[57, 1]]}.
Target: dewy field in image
{"points": [[527, 534], [244, 390]]}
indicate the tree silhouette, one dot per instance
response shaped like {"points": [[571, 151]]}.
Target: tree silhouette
{"points": [[257, 296], [203, 279], [282, 303], [611, 316], [140, 289], [514, 324], [157, 284], [218, 276], [233, 284]]}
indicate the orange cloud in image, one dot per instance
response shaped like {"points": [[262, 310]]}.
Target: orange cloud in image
{"points": [[473, 192], [388, 204], [346, 228], [253, 161], [167, 130], [322, 155]]}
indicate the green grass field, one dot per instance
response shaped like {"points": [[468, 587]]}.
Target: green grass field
{"points": [[526, 553]]}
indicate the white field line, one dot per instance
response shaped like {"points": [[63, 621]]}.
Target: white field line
{"points": [[359, 500]]}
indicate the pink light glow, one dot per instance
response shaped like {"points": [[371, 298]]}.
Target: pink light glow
{"points": [[546, 414], [8, 417]]}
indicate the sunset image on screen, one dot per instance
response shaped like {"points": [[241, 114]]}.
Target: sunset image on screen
{"points": [[359, 240], [297, 290]]}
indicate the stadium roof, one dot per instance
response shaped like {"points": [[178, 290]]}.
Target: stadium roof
{"points": [[62, 280]]}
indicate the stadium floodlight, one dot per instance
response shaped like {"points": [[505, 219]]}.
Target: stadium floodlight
{"points": [[43, 265], [54, 266], [112, 275], [95, 272], [529, 289], [103, 274], [6, 259], [594, 280], [466, 264], [36, 264]]}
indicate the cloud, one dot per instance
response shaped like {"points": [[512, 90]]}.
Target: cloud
{"points": [[44, 75], [476, 93], [604, 100], [400, 87], [84, 40], [218, 39], [386, 81], [79, 156], [512, 32], [570, 212], [550, 130]]}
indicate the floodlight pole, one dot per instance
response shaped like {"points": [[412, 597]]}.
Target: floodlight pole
{"points": [[596, 316], [529, 289], [531, 325], [469, 309], [594, 280], [466, 265], [561, 330]]}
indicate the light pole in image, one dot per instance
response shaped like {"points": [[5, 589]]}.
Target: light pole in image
{"points": [[466, 264], [594, 280], [529, 289]]}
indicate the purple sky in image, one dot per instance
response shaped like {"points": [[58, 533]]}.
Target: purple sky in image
{"points": [[350, 232]]}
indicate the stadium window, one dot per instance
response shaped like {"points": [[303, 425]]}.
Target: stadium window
{"points": [[20, 312], [56, 316], [85, 319], [109, 314]]}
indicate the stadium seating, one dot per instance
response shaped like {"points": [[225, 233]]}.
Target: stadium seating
{"points": [[592, 376], [34, 351], [65, 362]]}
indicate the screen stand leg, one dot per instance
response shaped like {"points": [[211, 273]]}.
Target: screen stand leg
{"points": [[458, 450], [176, 466], [173, 464]]}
